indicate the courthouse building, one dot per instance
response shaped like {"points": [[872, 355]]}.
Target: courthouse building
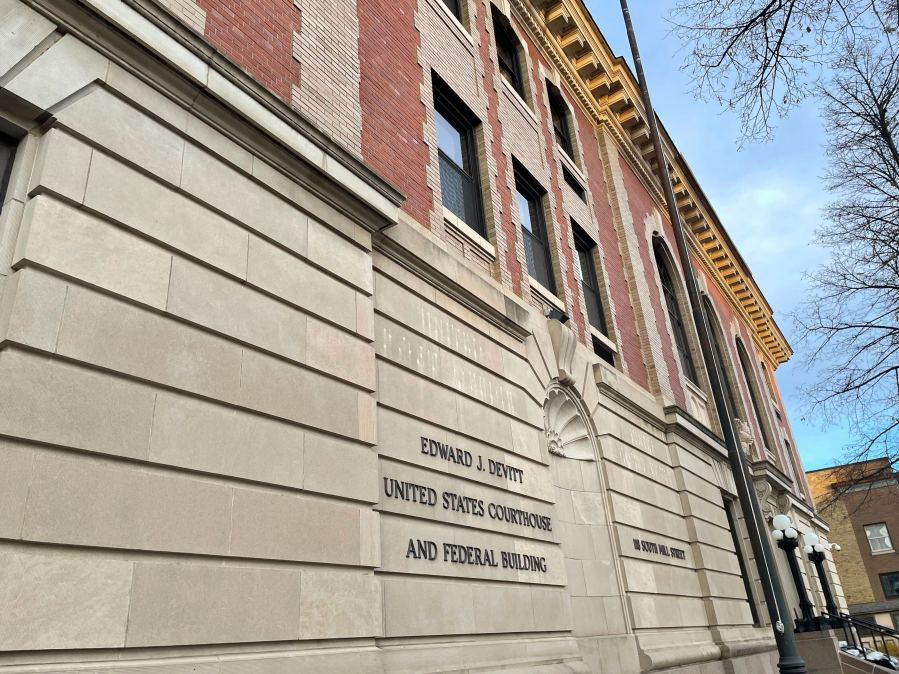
{"points": [[351, 336]]}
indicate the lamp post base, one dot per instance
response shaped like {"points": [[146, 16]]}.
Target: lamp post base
{"points": [[792, 665]]}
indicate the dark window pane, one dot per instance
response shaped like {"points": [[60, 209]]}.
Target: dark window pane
{"points": [[674, 315], [573, 183], [450, 140], [7, 153], [753, 395], [585, 249], [890, 582], [720, 351], [507, 52], [738, 548], [452, 188], [559, 113], [453, 6], [533, 231], [459, 181]]}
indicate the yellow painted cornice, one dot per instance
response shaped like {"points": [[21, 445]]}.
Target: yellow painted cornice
{"points": [[609, 94]]}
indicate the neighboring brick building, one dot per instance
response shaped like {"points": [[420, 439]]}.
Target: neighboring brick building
{"points": [[860, 502], [352, 336]]}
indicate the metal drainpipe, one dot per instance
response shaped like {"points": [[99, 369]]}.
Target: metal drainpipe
{"points": [[790, 662]]}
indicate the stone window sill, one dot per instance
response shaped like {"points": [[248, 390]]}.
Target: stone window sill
{"points": [[519, 102], [459, 226], [572, 166], [453, 22], [546, 295], [883, 552], [605, 341], [695, 390]]}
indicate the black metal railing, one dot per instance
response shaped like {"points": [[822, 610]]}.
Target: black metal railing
{"points": [[857, 630]]}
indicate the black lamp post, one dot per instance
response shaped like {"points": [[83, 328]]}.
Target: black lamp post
{"points": [[788, 540], [815, 551]]}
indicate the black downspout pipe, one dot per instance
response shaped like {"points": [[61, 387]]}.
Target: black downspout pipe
{"points": [[790, 662]]}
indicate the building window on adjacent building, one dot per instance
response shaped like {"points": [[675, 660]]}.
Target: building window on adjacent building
{"points": [[558, 110], [529, 197], [890, 583], [456, 150], [754, 395], [507, 51], [7, 154], [878, 537], [674, 313]]}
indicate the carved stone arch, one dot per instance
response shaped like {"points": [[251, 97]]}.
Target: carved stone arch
{"points": [[569, 431]]}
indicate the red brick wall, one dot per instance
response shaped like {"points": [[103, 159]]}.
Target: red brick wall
{"points": [[620, 291], [393, 115], [562, 226], [257, 35], [642, 205], [510, 229]]}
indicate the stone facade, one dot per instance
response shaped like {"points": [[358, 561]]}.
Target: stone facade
{"points": [[266, 406]]}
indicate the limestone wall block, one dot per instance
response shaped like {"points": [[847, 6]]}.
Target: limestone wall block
{"points": [[88, 607], [199, 435], [121, 129], [195, 603], [60, 403], [158, 212], [92, 502], [60, 71], [202, 297], [59, 237], [125, 338]]}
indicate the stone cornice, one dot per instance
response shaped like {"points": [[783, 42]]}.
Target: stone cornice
{"points": [[609, 94]]}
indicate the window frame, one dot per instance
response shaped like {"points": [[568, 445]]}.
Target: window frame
{"points": [[8, 146], [530, 189], [717, 335], [883, 585], [675, 315], [586, 245], [449, 106], [454, 7], [754, 396], [886, 537], [561, 116], [507, 45]]}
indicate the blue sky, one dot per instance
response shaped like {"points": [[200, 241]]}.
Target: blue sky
{"points": [[769, 196]]}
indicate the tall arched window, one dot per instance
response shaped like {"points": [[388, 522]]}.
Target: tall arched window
{"points": [[752, 385], [674, 314], [721, 352]]}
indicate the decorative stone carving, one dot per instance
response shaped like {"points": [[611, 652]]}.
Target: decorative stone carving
{"points": [[744, 436], [568, 433], [564, 343]]}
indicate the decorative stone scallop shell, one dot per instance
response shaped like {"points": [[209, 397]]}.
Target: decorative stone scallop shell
{"points": [[567, 431]]}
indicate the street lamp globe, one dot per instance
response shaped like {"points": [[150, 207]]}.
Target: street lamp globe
{"points": [[819, 548], [777, 535], [781, 522], [791, 533], [811, 539]]}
